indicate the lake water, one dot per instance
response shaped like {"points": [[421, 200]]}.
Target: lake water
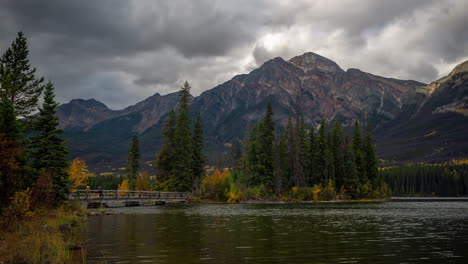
{"points": [[392, 232]]}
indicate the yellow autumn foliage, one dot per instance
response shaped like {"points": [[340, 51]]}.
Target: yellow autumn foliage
{"points": [[123, 188], [143, 182], [78, 173], [215, 185]]}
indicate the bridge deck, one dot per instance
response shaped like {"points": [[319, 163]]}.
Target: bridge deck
{"points": [[94, 195]]}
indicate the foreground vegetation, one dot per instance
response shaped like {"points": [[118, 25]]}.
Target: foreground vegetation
{"points": [[423, 179], [37, 224], [42, 235]]}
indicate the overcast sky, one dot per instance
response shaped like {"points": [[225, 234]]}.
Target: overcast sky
{"points": [[120, 52]]}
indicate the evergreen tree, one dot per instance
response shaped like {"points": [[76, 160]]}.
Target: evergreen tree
{"points": [[359, 153], [330, 159], [18, 85], [11, 154], [260, 156], [166, 157], [337, 152], [181, 176], [133, 162], [19, 93], [252, 160], [371, 165], [300, 154], [199, 158], [278, 158], [321, 154], [350, 179], [312, 173], [9, 125], [266, 144], [49, 153], [288, 155]]}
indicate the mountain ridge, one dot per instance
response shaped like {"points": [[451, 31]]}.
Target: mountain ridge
{"points": [[309, 85]]}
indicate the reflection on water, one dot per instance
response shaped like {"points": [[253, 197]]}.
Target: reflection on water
{"points": [[395, 232]]}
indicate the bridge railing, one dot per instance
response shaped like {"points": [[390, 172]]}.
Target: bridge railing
{"points": [[126, 195]]}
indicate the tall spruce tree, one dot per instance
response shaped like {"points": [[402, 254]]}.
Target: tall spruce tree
{"points": [[359, 153], [312, 173], [199, 158], [260, 152], [350, 179], [321, 154], [252, 160], [266, 142], [278, 153], [18, 83], [181, 176], [19, 93], [371, 164], [300, 154], [133, 162], [11, 153], [330, 159], [166, 157], [289, 152], [337, 152], [49, 152]]}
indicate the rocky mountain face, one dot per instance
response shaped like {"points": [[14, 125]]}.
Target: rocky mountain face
{"points": [[434, 130], [308, 85], [84, 114]]}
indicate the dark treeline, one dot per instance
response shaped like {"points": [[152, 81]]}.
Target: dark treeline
{"points": [[449, 179], [302, 157], [106, 182]]}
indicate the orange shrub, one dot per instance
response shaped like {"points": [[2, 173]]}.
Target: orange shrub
{"points": [[123, 187], [143, 182], [215, 186]]}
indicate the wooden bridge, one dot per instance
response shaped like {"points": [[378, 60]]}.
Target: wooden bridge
{"points": [[116, 198]]}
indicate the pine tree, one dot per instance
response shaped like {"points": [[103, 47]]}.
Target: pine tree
{"points": [[278, 158], [337, 152], [300, 153], [350, 179], [321, 154], [290, 142], [18, 85], [181, 175], [330, 160], [133, 162], [166, 157], [359, 153], [312, 173], [199, 158], [19, 93], [371, 165], [49, 153], [260, 152], [252, 160], [11, 153], [266, 142]]}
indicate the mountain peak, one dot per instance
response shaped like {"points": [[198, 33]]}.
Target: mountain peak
{"points": [[462, 67], [310, 60], [88, 103]]}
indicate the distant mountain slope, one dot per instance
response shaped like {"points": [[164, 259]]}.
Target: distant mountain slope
{"points": [[308, 85], [436, 129]]}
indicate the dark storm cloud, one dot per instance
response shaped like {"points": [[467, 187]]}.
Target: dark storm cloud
{"points": [[120, 51]]}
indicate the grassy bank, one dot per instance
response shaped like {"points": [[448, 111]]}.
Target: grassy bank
{"points": [[46, 236]]}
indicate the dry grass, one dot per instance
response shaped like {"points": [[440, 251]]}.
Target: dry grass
{"points": [[40, 240]]}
